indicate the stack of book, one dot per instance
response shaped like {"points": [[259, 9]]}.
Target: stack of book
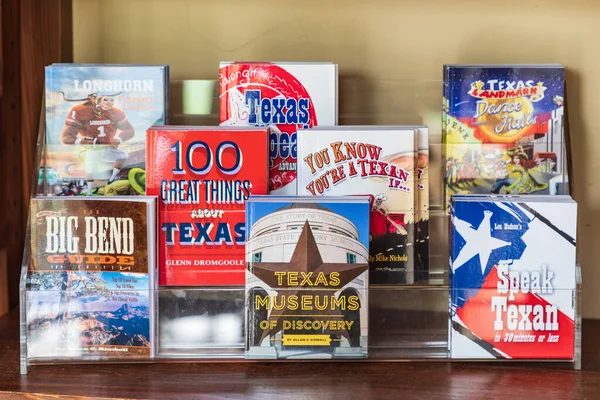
{"points": [[280, 220]]}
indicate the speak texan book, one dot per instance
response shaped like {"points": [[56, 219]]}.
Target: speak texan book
{"points": [[96, 121], [503, 130], [512, 277], [307, 277], [90, 282], [203, 176], [378, 162], [285, 96]]}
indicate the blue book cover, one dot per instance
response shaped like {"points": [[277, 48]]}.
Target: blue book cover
{"points": [[512, 277], [307, 277], [96, 122], [503, 129]]}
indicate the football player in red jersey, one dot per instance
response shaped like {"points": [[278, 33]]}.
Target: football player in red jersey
{"points": [[98, 122]]}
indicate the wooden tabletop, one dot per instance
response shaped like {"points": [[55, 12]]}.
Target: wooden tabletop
{"points": [[365, 380]]}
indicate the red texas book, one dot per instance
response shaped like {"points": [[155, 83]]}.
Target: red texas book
{"points": [[203, 176]]}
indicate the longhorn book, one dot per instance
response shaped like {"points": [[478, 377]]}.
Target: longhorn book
{"points": [[96, 121]]}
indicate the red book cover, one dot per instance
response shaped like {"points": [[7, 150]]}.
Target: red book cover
{"points": [[203, 176]]}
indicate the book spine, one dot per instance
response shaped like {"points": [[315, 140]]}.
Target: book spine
{"points": [[451, 309], [445, 108], [150, 155], [166, 85]]}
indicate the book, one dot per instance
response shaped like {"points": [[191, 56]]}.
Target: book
{"points": [[503, 130], [91, 278], [307, 279], [512, 277], [374, 161], [422, 206], [96, 121], [203, 176], [285, 96]]}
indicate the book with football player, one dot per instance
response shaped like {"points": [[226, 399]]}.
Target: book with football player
{"points": [[96, 121], [503, 130], [307, 277], [91, 278], [512, 277], [203, 176], [285, 96], [378, 162]]}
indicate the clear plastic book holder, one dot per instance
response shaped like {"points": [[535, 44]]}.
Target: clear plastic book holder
{"points": [[405, 322]]}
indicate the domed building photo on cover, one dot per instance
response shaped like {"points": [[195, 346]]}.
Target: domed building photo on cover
{"points": [[274, 236], [307, 275]]}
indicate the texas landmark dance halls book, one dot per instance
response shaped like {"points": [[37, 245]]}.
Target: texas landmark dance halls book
{"points": [[503, 130]]}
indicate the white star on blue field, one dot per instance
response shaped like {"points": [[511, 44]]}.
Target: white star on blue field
{"points": [[478, 242]]}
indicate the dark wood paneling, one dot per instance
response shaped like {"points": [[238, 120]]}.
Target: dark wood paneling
{"points": [[35, 33], [11, 211], [43, 42]]}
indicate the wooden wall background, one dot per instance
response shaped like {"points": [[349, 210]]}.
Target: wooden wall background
{"points": [[35, 33]]}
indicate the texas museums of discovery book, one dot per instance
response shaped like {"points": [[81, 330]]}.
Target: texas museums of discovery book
{"points": [[203, 176], [503, 129], [285, 96], [91, 278], [512, 277], [96, 121], [307, 277]]}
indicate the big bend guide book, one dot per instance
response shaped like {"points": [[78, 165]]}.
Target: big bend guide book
{"points": [[91, 278]]}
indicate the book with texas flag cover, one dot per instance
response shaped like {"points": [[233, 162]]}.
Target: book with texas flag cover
{"points": [[512, 277]]}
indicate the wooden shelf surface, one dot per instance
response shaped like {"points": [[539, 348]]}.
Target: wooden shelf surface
{"points": [[327, 380]]}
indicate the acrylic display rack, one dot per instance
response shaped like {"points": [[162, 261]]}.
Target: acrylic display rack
{"points": [[406, 322]]}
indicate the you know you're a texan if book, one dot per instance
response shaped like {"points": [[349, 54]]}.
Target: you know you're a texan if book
{"points": [[378, 162], [96, 121], [513, 277]]}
